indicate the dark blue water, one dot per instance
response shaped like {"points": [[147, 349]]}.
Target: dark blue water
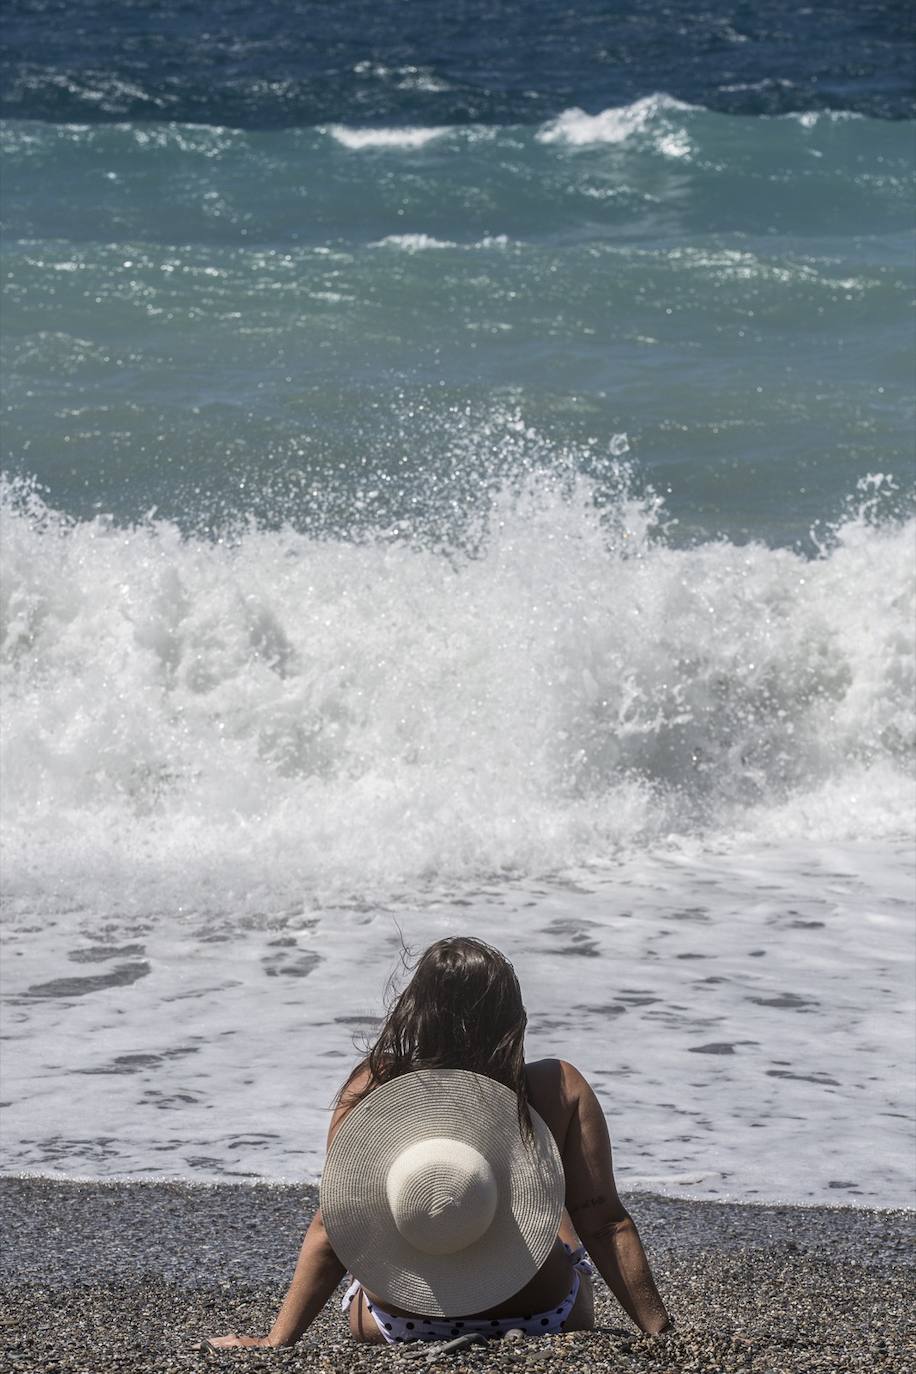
{"points": [[291, 62]]}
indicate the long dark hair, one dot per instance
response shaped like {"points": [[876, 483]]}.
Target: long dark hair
{"points": [[462, 1009]]}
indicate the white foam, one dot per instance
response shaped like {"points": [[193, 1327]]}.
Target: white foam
{"points": [[809, 119], [745, 1019], [395, 139], [420, 243], [237, 770], [413, 243], [199, 723], [652, 114]]}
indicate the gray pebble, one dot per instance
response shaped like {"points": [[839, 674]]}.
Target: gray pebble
{"points": [[104, 1278]]}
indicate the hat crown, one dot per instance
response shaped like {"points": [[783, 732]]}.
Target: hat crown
{"points": [[442, 1194]]}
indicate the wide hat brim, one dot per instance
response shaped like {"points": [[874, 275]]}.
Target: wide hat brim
{"points": [[479, 1112]]}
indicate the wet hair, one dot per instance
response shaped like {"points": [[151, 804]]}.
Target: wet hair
{"points": [[462, 1009]]}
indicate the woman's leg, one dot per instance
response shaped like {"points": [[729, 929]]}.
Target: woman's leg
{"points": [[568, 1232], [363, 1326], [582, 1316]]}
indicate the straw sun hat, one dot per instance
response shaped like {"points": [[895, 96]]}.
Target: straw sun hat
{"points": [[434, 1200]]}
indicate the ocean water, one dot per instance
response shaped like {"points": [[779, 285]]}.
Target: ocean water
{"points": [[458, 477]]}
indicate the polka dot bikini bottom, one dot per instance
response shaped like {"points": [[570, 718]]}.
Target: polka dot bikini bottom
{"points": [[397, 1330]]}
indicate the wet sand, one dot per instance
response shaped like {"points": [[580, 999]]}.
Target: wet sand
{"points": [[128, 1277]]}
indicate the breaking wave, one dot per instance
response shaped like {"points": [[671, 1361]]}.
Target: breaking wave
{"points": [[270, 715]]}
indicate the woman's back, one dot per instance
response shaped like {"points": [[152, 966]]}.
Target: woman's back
{"points": [[462, 1011]]}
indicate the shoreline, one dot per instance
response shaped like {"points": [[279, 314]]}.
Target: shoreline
{"points": [[308, 1186], [107, 1276]]}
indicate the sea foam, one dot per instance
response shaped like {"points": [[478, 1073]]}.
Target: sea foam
{"points": [[652, 114], [199, 720], [359, 139]]}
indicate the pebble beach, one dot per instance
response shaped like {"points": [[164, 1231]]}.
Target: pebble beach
{"points": [[100, 1277]]}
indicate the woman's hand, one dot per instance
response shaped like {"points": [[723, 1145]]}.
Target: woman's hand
{"points": [[221, 1342]]}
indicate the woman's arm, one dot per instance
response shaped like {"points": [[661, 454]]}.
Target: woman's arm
{"points": [[318, 1270], [600, 1218], [621, 1260]]}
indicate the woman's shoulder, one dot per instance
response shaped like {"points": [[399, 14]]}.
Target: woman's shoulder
{"points": [[554, 1087], [556, 1073], [353, 1091]]}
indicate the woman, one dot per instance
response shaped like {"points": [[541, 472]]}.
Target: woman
{"points": [[463, 1010]]}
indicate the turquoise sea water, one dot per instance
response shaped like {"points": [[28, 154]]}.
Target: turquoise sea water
{"points": [[354, 326]]}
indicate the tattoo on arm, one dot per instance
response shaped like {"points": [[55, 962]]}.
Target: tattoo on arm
{"points": [[587, 1203]]}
